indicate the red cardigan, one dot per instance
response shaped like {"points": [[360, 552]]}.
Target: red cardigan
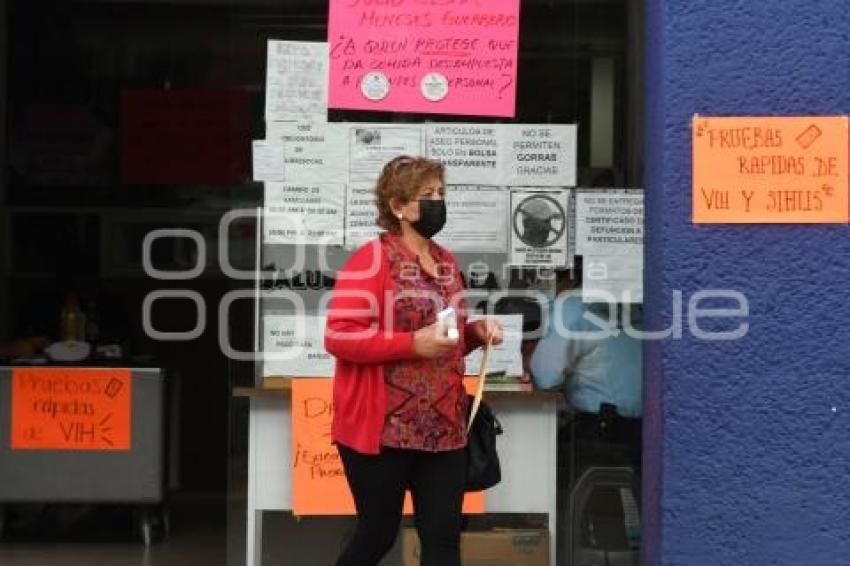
{"points": [[359, 394]]}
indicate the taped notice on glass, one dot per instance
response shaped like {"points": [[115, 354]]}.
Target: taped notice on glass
{"points": [[311, 153], [267, 159], [304, 214], [535, 155], [476, 219], [609, 223], [371, 146], [612, 279], [435, 56], [470, 152], [538, 155], [361, 214], [293, 346], [539, 230], [297, 81]]}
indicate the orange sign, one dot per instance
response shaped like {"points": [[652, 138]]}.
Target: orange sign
{"points": [[770, 170], [319, 486], [70, 409]]}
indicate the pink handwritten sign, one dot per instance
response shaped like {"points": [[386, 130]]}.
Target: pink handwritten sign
{"points": [[426, 56]]}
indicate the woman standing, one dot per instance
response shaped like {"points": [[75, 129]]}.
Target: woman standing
{"points": [[399, 402]]}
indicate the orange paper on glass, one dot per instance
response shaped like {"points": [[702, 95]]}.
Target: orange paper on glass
{"points": [[770, 170], [71, 409], [318, 480]]}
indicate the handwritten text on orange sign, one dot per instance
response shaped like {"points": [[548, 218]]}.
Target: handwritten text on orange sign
{"points": [[770, 170], [319, 486], [70, 409]]}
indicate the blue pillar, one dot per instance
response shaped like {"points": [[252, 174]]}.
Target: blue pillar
{"points": [[747, 458]]}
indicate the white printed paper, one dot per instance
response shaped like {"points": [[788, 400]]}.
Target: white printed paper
{"points": [[476, 219], [371, 146], [312, 153], [297, 81], [275, 130], [507, 356], [609, 236], [293, 346], [267, 158], [539, 228], [538, 155], [361, 213], [304, 213], [470, 152], [612, 279], [609, 223]]}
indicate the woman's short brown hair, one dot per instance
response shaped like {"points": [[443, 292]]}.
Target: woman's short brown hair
{"points": [[402, 178]]}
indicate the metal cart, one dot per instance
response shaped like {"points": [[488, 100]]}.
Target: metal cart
{"points": [[136, 476]]}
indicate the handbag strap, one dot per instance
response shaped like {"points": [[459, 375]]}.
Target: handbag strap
{"points": [[479, 393]]}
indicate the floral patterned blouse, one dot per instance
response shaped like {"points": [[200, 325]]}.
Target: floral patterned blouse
{"points": [[426, 400]]}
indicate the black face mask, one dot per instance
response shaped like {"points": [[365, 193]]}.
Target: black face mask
{"points": [[432, 217]]}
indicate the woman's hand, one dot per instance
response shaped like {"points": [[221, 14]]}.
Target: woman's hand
{"points": [[488, 329], [429, 342]]}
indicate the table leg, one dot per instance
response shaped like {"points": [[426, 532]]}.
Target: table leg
{"points": [[254, 516], [254, 541], [552, 478]]}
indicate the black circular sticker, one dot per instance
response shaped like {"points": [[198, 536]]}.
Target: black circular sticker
{"points": [[539, 221]]}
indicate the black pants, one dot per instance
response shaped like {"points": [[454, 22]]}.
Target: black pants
{"points": [[378, 483]]}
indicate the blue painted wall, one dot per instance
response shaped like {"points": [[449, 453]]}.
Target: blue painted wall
{"points": [[747, 442]]}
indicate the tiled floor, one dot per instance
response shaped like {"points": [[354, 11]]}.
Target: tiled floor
{"points": [[205, 531], [105, 536], [309, 541], [200, 536]]}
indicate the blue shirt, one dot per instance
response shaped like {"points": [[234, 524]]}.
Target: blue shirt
{"points": [[605, 365]]}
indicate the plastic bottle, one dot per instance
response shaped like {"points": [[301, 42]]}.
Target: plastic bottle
{"points": [[73, 321]]}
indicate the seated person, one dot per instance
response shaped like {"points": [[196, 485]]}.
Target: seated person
{"points": [[603, 367], [600, 373]]}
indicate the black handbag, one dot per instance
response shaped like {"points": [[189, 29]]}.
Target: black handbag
{"points": [[482, 461]]}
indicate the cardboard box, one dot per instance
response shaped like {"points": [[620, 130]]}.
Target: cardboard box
{"points": [[499, 547]]}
